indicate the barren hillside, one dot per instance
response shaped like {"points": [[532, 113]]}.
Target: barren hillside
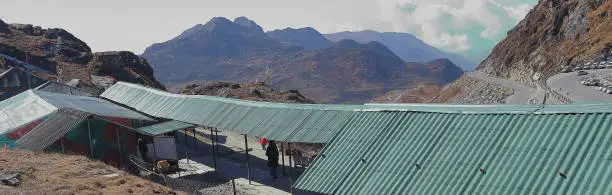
{"points": [[52, 173]]}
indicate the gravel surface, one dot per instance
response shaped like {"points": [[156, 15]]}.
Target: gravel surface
{"points": [[477, 91]]}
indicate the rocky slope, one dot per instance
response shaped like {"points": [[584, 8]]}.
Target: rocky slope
{"points": [[404, 45], [58, 55], [246, 91], [555, 35], [343, 72], [307, 38]]}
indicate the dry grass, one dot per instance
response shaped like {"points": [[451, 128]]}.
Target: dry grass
{"points": [[70, 174], [447, 94]]}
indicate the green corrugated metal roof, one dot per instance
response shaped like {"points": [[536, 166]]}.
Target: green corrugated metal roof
{"points": [[315, 123], [32, 104], [276, 121], [416, 148], [442, 153], [164, 127]]}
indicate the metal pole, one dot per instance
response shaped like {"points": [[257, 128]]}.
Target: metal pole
{"points": [[246, 148], [119, 146], [90, 144], [154, 153], [217, 141], [290, 168], [186, 152], [212, 137], [283, 158]]}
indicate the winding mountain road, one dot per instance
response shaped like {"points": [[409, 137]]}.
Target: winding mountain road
{"points": [[569, 85], [522, 93]]}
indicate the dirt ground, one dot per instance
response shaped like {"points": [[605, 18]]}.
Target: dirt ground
{"points": [[71, 174]]}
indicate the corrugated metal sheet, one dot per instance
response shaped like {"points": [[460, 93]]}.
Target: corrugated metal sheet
{"points": [[164, 127], [56, 87], [32, 105], [52, 129], [91, 105], [277, 121], [444, 153]]}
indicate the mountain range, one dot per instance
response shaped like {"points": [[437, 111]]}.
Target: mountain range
{"points": [[343, 71], [404, 45]]}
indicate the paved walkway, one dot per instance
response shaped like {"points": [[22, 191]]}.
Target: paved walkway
{"points": [[232, 162]]}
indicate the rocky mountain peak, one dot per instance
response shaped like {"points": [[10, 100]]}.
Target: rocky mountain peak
{"points": [[250, 24], [307, 38], [61, 56]]}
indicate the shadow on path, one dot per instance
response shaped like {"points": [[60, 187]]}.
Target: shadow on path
{"points": [[232, 161]]}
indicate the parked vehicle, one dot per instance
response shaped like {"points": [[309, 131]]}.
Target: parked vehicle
{"points": [[602, 65], [590, 82], [609, 90], [582, 72]]}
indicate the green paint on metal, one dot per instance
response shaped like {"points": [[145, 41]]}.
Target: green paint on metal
{"points": [[276, 121], [163, 127], [451, 153]]}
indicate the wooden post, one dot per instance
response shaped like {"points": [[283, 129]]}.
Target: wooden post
{"points": [[246, 148], [283, 158], [90, 143], [234, 186], [119, 146], [62, 144], [195, 141], [290, 168]]}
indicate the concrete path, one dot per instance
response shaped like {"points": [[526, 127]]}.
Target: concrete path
{"points": [[231, 162], [522, 93], [569, 85]]}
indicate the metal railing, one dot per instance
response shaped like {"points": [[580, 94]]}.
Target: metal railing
{"points": [[554, 93]]}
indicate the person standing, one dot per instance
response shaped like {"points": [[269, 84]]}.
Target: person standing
{"points": [[263, 141], [272, 154]]}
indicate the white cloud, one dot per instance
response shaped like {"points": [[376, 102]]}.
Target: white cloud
{"points": [[429, 19], [518, 12]]}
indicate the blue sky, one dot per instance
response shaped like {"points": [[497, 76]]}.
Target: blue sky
{"points": [[461, 26]]}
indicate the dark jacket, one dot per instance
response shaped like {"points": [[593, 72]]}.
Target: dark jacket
{"points": [[272, 153]]}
